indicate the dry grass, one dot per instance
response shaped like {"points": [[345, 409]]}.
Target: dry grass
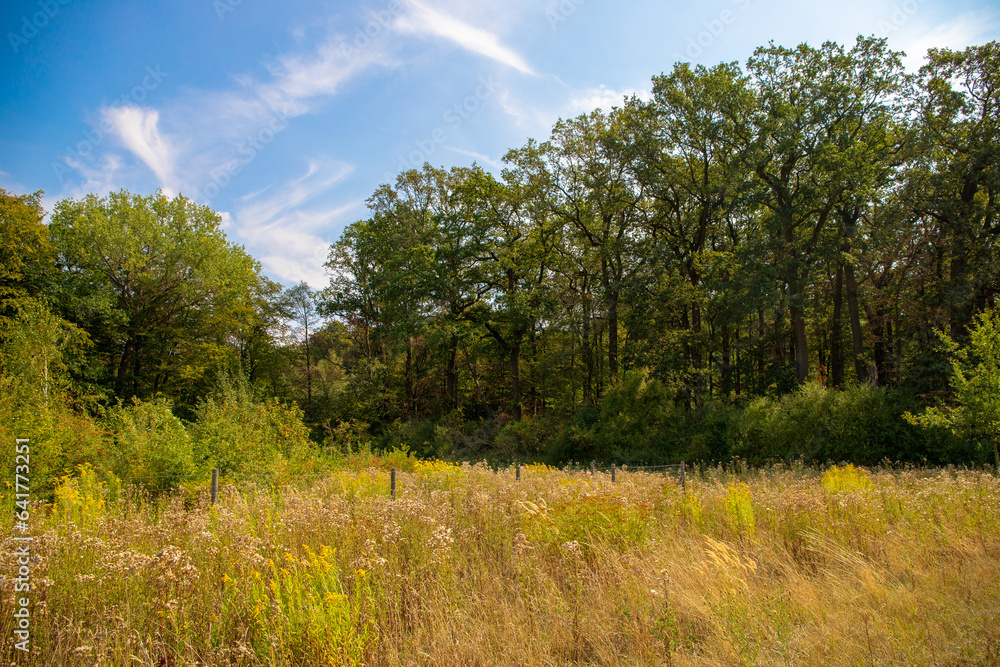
{"points": [[470, 567]]}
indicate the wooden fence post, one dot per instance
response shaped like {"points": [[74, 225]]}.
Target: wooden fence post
{"points": [[614, 469], [215, 485], [392, 483], [517, 473], [683, 486], [593, 469]]}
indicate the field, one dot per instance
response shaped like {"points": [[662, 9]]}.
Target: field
{"points": [[472, 567]]}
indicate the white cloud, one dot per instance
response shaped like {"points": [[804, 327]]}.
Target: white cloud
{"points": [[99, 179], [423, 20], [139, 131], [602, 97], [965, 30], [481, 158], [279, 227]]}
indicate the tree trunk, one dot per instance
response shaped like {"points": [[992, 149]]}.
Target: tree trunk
{"points": [[515, 376], [726, 362], [613, 337], [836, 331], [797, 313], [587, 352], [854, 314], [451, 374], [123, 365]]}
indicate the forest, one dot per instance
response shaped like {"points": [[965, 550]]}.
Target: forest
{"points": [[790, 259]]}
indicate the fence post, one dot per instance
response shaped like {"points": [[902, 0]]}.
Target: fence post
{"points": [[392, 483], [614, 469], [215, 485], [593, 469], [517, 473], [683, 486]]}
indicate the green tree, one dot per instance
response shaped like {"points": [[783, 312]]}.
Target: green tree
{"points": [[26, 252], [158, 287], [975, 381]]}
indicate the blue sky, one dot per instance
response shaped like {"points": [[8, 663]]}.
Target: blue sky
{"points": [[284, 117]]}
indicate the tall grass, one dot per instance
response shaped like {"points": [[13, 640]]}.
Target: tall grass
{"points": [[470, 567]]}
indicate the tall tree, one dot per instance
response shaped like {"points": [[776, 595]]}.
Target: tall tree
{"points": [[156, 284], [300, 302], [26, 252]]}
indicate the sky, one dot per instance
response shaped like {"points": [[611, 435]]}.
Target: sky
{"points": [[285, 117]]}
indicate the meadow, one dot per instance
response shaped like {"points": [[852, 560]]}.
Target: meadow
{"points": [[470, 566]]}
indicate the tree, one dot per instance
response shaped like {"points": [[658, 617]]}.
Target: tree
{"points": [[300, 302], [26, 252], [957, 180], [975, 381], [803, 137], [157, 286]]}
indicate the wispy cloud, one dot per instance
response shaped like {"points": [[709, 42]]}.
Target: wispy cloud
{"points": [[283, 226], [480, 158], [963, 31], [424, 20], [219, 126], [139, 130]]}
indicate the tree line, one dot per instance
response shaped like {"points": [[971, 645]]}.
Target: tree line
{"points": [[813, 218]]}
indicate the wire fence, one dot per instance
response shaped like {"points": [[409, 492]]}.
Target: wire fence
{"points": [[271, 478]]}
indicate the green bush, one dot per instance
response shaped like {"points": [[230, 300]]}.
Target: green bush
{"points": [[525, 440], [245, 435], [152, 447], [635, 422], [862, 424], [424, 438], [61, 439]]}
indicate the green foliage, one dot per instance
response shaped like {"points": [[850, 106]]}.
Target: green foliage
{"points": [[525, 440], [152, 447], [158, 287], [976, 382], [425, 438], [349, 437], [635, 422], [245, 435], [26, 250], [36, 401], [863, 424]]}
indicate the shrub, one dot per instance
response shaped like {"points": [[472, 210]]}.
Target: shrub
{"points": [[635, 422], [244, 435], [423, 437], [862, 424], [152, 447]]}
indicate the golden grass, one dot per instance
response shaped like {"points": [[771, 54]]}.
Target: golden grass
{"points": [[470, 567]]}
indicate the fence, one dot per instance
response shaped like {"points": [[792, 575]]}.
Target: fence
{"points": [[681, 469]]}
